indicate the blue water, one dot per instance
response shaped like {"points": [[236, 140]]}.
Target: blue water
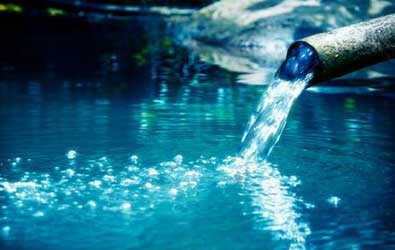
{"points": [[268, 121], [131, 144]]}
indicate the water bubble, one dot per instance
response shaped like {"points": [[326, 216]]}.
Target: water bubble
{"points": [[148, 185], [91, 204], [192, 174], [173, 191], [221, 183], [69, 172], [6, 230], [133, 168], [193, 184], [109, 178], [134, 159], [71, 154], [38, 214], [18, 159], [128, 182], [178, 159], [334, 201], [152, 172], [95, 183], [293, 181], [126, 206], [309, 205]]}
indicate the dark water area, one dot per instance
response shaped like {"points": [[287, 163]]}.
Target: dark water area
{"points": [[119, 67], [113, 137]]}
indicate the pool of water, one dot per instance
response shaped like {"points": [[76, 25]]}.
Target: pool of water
{"points": [[113, 137]]}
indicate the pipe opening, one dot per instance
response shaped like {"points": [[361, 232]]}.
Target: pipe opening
{"points": [[301, 60]]}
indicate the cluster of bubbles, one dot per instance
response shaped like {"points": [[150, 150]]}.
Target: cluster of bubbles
{"points": [[92, 187], [275, 205], [98, 184]]}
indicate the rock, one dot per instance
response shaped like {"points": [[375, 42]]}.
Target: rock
{"points": [[250, 35]]}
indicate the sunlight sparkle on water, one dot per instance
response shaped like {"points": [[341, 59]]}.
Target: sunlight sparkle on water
{"points": [[95, 192], [334, 201], [72, 154]]}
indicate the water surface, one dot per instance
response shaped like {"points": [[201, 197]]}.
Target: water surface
{"points": [[113, 137]]}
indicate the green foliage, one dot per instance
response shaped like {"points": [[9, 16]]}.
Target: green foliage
{"points": [[11, 8], [140, 57], [55, 12]]}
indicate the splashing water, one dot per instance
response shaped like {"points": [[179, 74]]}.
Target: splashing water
{"points": [[276, 206], [121, 195], [267, 123]]}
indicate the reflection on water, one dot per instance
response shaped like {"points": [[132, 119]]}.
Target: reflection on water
{"points": [[275, 206], [110, 145]]}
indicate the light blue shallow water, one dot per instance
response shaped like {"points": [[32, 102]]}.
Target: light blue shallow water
{"points": [[137, 152]]}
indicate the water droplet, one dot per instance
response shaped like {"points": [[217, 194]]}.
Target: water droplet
{"points": [[152, 172], [95, 183], [92, 204], [178, 159], [38, 214], [334, 201], [71, 154], [69, 172], [134, 159]]}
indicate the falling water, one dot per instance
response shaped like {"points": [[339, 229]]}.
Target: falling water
{"points": [[276, 206], [268, 121]]}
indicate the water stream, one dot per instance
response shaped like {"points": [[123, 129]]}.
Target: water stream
{"points": [[87, 160], [276, 205], [267, 123]]}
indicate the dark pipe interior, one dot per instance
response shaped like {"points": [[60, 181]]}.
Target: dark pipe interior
{"points": [[301, 60]]}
